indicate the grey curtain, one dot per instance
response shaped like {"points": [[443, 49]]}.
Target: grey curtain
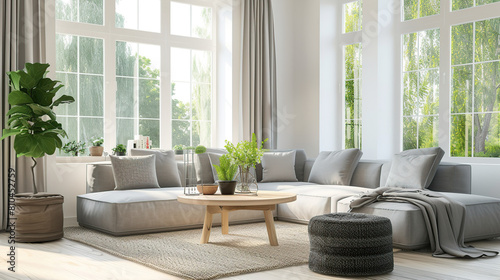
{"points": [[258, 82], [22, 40]]}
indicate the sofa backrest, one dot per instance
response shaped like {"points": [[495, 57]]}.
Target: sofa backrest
{"points": [[100, 176], [204, 169], [450, 177]]}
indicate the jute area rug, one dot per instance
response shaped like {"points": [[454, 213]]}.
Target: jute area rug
{"points": [[245, 249]]}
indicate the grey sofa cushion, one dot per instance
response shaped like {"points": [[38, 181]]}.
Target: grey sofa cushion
{"points": [[134, 172], [167, 172], [408, 226], [367, 174], [410, 171], [335, 168], [438, 154], [278, 167], [300, 161], [203, 167], [214, 160], [145, 211]]}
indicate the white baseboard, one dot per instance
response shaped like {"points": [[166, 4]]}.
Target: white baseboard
{"points": [[70, 222]]}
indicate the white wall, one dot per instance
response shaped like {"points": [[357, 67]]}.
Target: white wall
{"points": [[297, 53]]}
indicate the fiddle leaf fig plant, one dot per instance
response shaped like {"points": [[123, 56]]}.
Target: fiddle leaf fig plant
{"points": [[31, 118]]}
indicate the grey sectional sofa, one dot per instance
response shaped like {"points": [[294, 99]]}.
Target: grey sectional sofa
{"points": [[124, 212]]}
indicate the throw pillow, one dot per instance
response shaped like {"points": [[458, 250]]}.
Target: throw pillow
{"points": [[134, 172], [167, 171], [438, 154], [278, 167], [214, 159], [335, 168], [410, 171]]}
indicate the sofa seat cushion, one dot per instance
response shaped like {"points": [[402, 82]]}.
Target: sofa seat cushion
{"points": [[146, 210], [409, 232], [312, 199]]}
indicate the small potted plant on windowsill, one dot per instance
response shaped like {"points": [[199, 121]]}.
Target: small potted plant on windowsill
{"points": [[119, 150], [178, 149], [96, 149], [74, 148], [226, 171]]}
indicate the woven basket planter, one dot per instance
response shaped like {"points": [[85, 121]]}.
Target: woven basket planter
{"points": [[350, 244], [38, 218]]}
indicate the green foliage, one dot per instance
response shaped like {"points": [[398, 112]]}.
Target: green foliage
{"points": [[178, 147], [120, 148], [491, 151], [226, 170], [74, 148], [97, 141], [200, 149], [31, 117], [245, 153]]}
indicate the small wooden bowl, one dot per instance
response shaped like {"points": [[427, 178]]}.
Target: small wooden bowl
{"points": [[207, 189]]}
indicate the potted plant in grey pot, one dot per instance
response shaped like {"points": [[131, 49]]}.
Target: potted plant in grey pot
{"points": [[119, 150], [31, 119], [96, 149], [178, 149], [226, 171]]}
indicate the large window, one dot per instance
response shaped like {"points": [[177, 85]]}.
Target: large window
{"points": [[191, 78], [462, 4], [120, 74], [351, 78], [420, 88], [352, 95], [79, 67], [475, 112], [85, 11], [414, 9], [138, 91], [353, 16]]}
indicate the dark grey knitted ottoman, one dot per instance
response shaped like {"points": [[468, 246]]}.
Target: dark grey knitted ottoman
{"points": [[350, 244]]}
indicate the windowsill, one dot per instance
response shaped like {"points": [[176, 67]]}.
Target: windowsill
{"points": [[84, 159]]}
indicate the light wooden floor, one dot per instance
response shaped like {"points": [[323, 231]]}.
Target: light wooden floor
{"points": [[65, 259]]}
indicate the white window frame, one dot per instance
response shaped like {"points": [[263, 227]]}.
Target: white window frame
{"points": [[345, 39], [111, 34], [444, 21]]}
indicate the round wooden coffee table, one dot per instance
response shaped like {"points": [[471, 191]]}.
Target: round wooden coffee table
{"points": [[264, 201]]}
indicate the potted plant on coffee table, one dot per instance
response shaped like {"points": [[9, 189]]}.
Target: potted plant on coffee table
{"points": [[31, 119], [96, 149], [246, 154], [226, 171], [119, 150]]}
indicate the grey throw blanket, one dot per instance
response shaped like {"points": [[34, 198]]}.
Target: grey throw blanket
{"points": [[444, 219]]}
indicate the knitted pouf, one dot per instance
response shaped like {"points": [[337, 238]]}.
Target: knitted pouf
{"points": [[350, 244]]}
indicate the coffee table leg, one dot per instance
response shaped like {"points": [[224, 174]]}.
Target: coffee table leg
{"points": [[271, 230], [207, 226], [225, 221]]}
